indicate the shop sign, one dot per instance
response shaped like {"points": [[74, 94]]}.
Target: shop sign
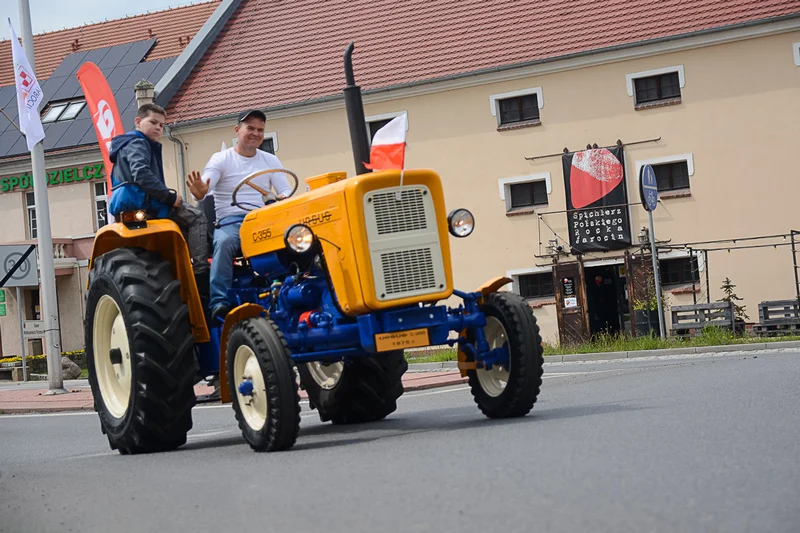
{"points": [[54, 177]]}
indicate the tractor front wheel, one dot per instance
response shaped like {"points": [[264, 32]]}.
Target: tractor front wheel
{"points": [[509, 390], [263, 385], [139, 349]]}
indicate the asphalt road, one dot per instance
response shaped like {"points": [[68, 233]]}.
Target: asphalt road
{"points": [[682, 444]]}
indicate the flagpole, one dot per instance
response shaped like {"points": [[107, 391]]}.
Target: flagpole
{"points": [[44, 237]]}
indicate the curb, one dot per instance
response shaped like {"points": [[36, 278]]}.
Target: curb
{"points": [[608, 356]]}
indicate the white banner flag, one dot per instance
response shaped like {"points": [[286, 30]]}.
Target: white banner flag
{"points": [[29, 93]]}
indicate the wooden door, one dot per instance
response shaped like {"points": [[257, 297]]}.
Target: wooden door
{"points": [[570, 289]]}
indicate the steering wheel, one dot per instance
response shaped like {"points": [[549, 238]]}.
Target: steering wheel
{"points": [[266, 195]]}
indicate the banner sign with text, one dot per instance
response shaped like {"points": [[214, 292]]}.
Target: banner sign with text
{"points": [[597, 198]]}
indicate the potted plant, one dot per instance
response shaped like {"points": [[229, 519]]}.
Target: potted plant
{"points": [[645, 308]]}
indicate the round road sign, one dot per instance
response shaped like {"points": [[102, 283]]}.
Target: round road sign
{"points": [[648, 188]]}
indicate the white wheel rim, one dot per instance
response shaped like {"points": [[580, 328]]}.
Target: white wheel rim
{"points": [[109, 333], [327, 376], [247, 367], [494, 381]]}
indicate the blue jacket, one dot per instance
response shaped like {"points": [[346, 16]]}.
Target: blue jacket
{"points": [[137, 179]]}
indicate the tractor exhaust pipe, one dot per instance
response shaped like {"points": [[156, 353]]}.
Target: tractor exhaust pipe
{"points": [[355, 114]]}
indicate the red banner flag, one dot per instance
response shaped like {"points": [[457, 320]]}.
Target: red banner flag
{"points": [[103, 107]]}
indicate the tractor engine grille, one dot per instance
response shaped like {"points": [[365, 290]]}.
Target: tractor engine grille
{"points": [[408, 271], [393, 216], [404, 242]]}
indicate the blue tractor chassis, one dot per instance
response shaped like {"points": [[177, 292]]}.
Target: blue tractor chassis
{"points": [[327, 341]]}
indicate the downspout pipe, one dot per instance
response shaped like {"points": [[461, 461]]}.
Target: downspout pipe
{"points": [[181, 168]]}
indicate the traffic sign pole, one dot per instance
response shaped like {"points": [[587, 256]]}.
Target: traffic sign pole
{"points": [[648, 190], [22, 338], [45, 240], [657, 275]]}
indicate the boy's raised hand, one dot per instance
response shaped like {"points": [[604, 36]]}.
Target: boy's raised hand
{"points": [[196, 185]]}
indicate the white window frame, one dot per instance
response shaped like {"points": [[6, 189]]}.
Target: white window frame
{"points": [[506, 183], [274, 136], [97, 199], [796, 53], [31, 212], [515, 274], [494, 100], [655, 72], [689, 158]]}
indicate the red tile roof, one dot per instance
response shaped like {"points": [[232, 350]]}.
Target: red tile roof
{"points": [[275, 53], [172, 27]]}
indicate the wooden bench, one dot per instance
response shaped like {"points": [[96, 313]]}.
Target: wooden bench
{"points": [[778, 317], [690, 320]]}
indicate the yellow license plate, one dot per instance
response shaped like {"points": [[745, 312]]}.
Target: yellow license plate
{"points": [[398, 340]]}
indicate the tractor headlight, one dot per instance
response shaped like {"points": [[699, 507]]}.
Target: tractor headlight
{"points": [[460, 222], [299, 238], [134, 219]]}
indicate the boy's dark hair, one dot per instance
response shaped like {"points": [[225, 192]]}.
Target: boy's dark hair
{"points": [[146, 109]]}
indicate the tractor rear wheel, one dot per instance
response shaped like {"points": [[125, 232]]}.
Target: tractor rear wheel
{"points": [[140, 355], [263, 385], [363, 390], [510, 390]]}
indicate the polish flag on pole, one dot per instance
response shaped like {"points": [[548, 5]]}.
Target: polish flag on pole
{"points": [[389, 146], [29, 93]]}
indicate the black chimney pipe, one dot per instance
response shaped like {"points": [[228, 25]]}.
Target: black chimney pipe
{"points": [[355, 114]]}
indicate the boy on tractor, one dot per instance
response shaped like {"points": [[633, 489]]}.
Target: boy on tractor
{"points": [[138, 185]]}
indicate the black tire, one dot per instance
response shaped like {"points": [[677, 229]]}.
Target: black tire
{"points": [[282, 421], [367, 390], [162, 363], [525, 354]]}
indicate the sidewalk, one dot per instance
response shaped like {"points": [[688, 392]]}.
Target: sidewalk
{"points": [[18, 397]]}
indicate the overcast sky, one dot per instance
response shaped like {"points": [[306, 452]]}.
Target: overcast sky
{"points": [[51, 15]]}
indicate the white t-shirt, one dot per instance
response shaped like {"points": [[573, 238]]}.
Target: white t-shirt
{"points": [[227, 168]]}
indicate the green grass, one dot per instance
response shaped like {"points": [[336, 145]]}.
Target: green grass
{"points": [[84, 373], [623, 343], [614, 343]]}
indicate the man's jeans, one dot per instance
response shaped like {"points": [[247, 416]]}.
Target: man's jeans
{"points": [[226, 244]]}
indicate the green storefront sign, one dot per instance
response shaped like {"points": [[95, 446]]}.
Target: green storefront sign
{"points": [[54, 177], [2, 302], [2, 309]]}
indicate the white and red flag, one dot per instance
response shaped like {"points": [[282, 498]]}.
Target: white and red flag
{"points": [[29, 93], [388, 149]]}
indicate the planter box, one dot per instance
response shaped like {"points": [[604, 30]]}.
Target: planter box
{"points": [[646, 325]]}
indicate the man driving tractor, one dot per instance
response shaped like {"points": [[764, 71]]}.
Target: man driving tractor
{"points": [[223, 172]]}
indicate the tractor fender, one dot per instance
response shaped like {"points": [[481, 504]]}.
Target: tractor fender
{"points": [[243, 312], [165, 237], [486, 289]]}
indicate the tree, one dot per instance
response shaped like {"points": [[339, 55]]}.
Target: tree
{"points": [[730, 296]]}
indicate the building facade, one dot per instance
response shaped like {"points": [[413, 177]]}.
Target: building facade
{"points": [[712, 111]]}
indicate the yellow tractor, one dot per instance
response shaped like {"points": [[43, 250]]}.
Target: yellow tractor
{"points": [[334, 284]]}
